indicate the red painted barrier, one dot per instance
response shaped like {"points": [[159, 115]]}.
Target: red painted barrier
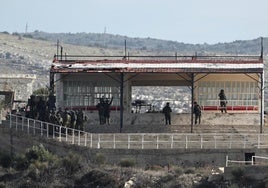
{"points": [[230, 108]]}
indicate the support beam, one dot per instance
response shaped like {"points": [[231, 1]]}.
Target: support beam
{"points": [[262, 104], [121, 101], [192, 120]]}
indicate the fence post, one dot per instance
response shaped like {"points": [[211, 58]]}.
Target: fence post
{"points": [[157, 141], [98, 141], [66, 134], [201, 141], [16, 123], [34, 127], [47, 125], [41, 128], [10, 120], [28, 126], [53, 131], [85, 139], [215, 142], [73, 136], [79, 136], [142, 140], [252, 163], [186, 142], [226, 163], [60, 134], [171, 144], [22, 122], [259, 141], [128, 141], [91, 141], [114, 141]]}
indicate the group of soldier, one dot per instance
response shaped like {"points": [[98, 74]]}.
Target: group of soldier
{"points": [[38, 108], [104, 110], [197, 109], [68, 118]]}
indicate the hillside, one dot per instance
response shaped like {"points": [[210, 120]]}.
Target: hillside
{"points": [[32, 53], [104, 40]]}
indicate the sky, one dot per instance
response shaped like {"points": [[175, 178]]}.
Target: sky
{"points": [[188, 21]]}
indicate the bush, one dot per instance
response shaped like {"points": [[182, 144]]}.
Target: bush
{"points": [[32, 155], [189, 171], [71, 163], [237, 173], [21, 163], [127, 163], [100, 158], [38, 170], [178, 171], [5, 160], [39, 153]]}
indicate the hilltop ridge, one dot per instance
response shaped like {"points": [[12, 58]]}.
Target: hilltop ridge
{"points": [[32, 53], [104, 40]]}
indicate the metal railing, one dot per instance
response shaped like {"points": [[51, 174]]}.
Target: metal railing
{"points": [[176, 56], [251, 162], [138, 140]]}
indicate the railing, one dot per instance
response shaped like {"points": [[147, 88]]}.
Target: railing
{"points": [[251, 102], [176, 56], [254, 162], [251, 162], [139, 140]]}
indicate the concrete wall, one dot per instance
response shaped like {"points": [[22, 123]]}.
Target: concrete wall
{"points": [[18, 142], [20, 84]]}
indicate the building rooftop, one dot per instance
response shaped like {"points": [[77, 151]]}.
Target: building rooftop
{"points": [[159, 64]]}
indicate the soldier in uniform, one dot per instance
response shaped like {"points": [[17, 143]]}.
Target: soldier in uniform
{"points": [[167, 112], [197, 112], [223, 101]]}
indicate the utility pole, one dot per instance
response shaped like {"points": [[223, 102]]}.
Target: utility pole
{"points": [[26, 28], [104, 37]]}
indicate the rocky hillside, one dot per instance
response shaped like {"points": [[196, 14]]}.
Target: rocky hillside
{"points": [[32, 53], [104, 40]]}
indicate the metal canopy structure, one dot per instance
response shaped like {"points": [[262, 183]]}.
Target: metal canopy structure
{"points": [[190, 69]]}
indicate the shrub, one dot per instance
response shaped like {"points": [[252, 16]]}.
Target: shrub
{"points": [[178, 170], [237, 173], [5, 160], [21, 163], [156, 168], [100, 158], [39, 153], [38, 169], [189, 171], [71, 163], [127, 163], [36, 153]]}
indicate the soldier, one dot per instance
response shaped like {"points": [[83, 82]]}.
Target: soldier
{"points": [[107, 105], [80, 120], [73, 119], [197, 112], [223, 101], [167, 111], [101, 109]]}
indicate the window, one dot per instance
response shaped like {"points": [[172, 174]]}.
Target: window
{"points": [[237, 93], [79, 93]]}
